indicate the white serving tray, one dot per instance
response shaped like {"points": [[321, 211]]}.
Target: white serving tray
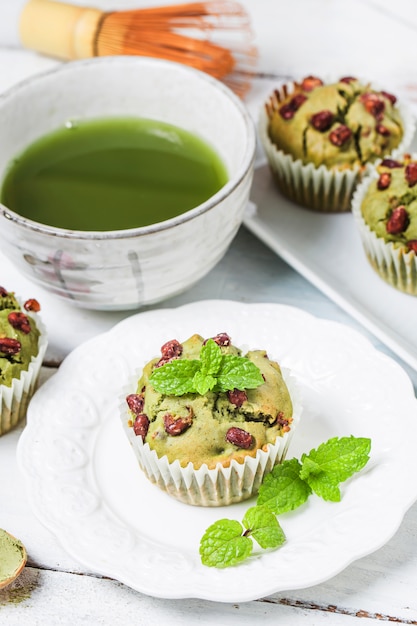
{"points": [[327, 251]]}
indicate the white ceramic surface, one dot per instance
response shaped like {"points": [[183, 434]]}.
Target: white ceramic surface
{"points": [[84, 484], [131, 268]]}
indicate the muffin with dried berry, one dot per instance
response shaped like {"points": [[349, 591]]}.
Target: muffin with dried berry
{"points": [[22, 348], [320, 138], [385, 210], [207, 423]]}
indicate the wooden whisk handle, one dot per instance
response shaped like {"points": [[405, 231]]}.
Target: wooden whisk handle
{"points": [[60, 30]]}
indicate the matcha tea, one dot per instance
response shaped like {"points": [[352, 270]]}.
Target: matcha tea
{"points": [[112, 174]]}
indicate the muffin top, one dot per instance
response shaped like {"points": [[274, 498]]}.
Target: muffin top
{"points": [[389, 206], [340, 125], [213, 426], [18, 336]]}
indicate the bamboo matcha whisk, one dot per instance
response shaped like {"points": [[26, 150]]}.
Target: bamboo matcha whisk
{"points": [[220, 42]]}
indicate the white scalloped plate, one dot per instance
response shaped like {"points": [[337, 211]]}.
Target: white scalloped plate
{"points": [[85, 486]]}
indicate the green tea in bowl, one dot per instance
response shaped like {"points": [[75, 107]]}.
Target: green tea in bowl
{"points": [[165, 156], [112, 174]]}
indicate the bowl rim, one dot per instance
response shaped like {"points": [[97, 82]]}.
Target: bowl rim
{"points": [[246, 164]]}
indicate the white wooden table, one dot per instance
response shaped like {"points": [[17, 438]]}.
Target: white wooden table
{"points": [[373, 38]]}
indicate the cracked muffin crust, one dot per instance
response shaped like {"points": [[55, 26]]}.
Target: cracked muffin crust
{"points": [[339, 125], [212, 447], [321, 139]]}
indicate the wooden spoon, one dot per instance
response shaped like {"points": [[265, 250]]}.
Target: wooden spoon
{"points": [[12, 558]]}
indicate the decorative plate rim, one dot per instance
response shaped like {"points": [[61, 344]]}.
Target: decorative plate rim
{"points": [[346, 383]]}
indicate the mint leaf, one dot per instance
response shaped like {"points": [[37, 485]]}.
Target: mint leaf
{"points": [[203, 383], [210, 357], [176, 377], [334, 462], [264, 527], [238, 372], [325, 486], [286, 487], [223, 544], [282, 489], [213, 371]]}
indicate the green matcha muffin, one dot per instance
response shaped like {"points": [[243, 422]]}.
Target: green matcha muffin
{"points": [[321, 138], [385, 210], [207, 423], [22, 348]]}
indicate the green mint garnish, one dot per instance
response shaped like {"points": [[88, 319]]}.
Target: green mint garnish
{"points": [[214, 371], [284, 489], [237, 372], [334, 462], [224, 544], [264, 527], [176, 377]]}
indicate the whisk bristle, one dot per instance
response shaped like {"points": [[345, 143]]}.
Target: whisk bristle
{"points": [[213, 36]]}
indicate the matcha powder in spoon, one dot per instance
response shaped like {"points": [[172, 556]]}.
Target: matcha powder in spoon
{"points": [[12, 558]]}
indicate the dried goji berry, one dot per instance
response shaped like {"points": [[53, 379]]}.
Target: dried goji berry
{"points": [[32, 305], [310, 82], [237, 397], [340, 135], [239, 437], [391, 163], [19, 321], [322, 120], [175, 426], [135, 402], [382, 130], [398, 221], [170, 350], [389, 96], [9, 346], [411, 174], [373, 104], [222, 339], [288, 110], [384, 181], [141, 425]]}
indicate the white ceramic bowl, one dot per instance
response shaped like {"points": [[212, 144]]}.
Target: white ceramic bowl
{"points": [[127, 269]]}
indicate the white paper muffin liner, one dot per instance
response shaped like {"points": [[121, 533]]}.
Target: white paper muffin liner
{"points": [[219, 486], [14, 400], [394, 264], [319, 188]]}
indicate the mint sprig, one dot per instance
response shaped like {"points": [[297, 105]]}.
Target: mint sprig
{"points": [[226, 542], [213, 371], [263, 526], [332, 463], [284, 489]]}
